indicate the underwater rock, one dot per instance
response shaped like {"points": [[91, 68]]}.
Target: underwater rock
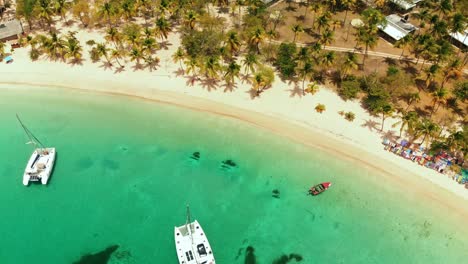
{"points": [[250, 256], [110, 164], [123, 254], [295, 256], [195, 155], [275, 193], [228, 164], [281, 260], [101, 257], [284, 259]]}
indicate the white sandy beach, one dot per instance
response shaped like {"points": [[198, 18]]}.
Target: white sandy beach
{"points": [[278, 109]]}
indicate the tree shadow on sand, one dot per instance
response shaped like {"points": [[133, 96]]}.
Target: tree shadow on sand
{"points": [[106, 65], [179, 72], [371, 125], [390, 135], [295, 91], [209, 84], [119, 69], [229, 87], [165, 44], [101, 257]]}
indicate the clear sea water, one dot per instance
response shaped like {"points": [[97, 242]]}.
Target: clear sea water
{"points": [[124, 175]]}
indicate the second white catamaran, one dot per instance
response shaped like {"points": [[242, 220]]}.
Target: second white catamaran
{"points": [[192, 244], [41, 162]]}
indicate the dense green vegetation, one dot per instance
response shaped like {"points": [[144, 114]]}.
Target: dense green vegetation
{"points": [[224, 40]]}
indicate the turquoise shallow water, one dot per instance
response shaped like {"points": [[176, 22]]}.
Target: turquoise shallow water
{"points": [[124, 174]]}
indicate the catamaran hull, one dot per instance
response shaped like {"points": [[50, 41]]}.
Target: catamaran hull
{"points": [[194, 248], [40, 166]]}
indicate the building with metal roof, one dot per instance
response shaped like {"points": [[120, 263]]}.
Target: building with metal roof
{"points": [[11, 29]]}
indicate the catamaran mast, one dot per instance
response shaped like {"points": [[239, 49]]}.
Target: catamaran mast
{"points": [[32, 139], [187, 225]]}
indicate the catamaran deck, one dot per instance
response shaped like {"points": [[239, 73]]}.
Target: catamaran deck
{"points": [[192, 245], [39, 166]]}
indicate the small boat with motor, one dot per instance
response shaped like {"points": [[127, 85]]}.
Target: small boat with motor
{"points": [[319, 188], [192, 244]]}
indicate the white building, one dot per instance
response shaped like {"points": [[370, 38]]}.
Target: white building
{"points": [[461, 37], [397, 27], [405, 4]]}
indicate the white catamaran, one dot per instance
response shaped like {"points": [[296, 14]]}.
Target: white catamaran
{"points": [[192, 244], [42, 160]]}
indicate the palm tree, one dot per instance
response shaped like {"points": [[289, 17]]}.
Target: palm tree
{"points": [[128, 9], [439, 97], [439, 29], [407, 119], [305, 72], [73, 49], [445, 7], [133, 33], [233, 42], [55, 45], [262, 79], [113, 35], [117, 54], [369, 39], [61, 7], [451, 70], [456, 139], [316, 48], [350, 63], [373, 18], [457, 23], [163, 27], [108, 10], [191, 64], [257, 38], [386, 110], [239, 4], [45, 12], [326, 38], [249, 62], [412, 98], [316, 7], [296, 29], [403, 43], [136, 54], [312, 88], [190, 19], [328, 59], [179, 56], [347, 4], [212, 67], [2, 49], [427, 128], [303, 55], [336, 24], [460, 91], [323, 21], [148, 45], [103, 50], [151, 62], [431, 73], [232, 71]]}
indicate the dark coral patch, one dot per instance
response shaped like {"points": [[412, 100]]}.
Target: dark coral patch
{"points": [[101, 257]]}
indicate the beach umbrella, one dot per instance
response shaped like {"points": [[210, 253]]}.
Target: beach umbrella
{"points": [[404, 142], [8, 59]]}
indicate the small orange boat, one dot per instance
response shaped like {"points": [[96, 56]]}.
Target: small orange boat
{"points": [[319, 188]]}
